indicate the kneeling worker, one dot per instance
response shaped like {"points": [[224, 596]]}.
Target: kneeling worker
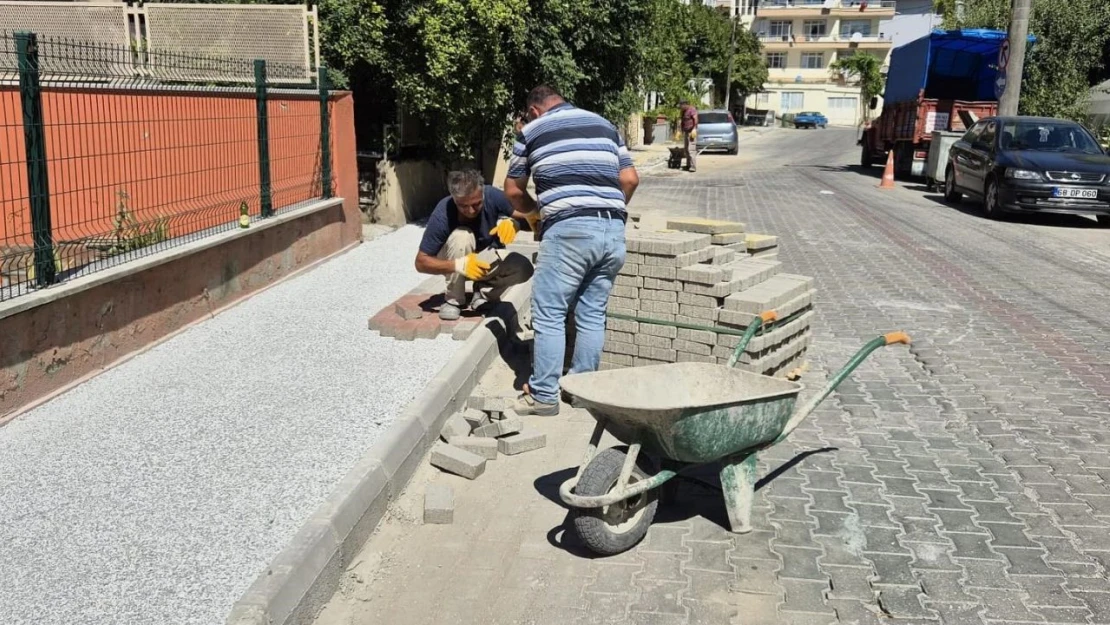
{"points": [[458, 238]]}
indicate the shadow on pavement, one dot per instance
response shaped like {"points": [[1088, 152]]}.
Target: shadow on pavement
{"points": [[974, 209], [697, 493]]}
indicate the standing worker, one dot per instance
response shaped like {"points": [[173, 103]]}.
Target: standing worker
{"points": [[458, 240], [689, 122], [584, 179]]}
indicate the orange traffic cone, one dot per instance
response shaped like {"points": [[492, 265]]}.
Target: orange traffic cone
{"points": [[888, 173]]}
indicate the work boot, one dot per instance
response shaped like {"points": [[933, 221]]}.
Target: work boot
{"points": [[478, 302], [449, 312], [527, 405]]}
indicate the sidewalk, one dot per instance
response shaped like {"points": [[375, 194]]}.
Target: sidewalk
{"points": [[159, 490]]}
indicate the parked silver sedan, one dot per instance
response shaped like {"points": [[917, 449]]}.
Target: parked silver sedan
{"points": [[717, 131]]}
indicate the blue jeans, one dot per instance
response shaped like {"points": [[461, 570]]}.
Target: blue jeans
{"points": [[579, 259]]}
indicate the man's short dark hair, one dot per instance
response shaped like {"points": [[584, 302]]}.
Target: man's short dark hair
{"points": [[464, 182], [541, 94]]}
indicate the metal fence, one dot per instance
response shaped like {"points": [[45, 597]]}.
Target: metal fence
{"points": [[101, 162]]}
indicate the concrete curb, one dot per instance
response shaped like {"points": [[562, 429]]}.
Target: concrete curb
{"points": [[306, 573]]}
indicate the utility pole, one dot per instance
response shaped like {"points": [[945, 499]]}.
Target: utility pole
{"points": [[1021, 10], [731, 57]]}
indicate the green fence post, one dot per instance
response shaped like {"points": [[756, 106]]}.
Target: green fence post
{"points": [[34, 137], [265, 188], [325, 133]]}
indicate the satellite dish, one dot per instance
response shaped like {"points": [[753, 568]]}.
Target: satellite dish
{"points": [[798, 78], [857, 37]]}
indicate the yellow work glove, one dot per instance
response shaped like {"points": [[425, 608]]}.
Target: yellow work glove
{"points": [[505, 230], [471, 266], [694, 134]]}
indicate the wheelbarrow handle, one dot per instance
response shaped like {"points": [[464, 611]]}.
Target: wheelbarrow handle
{"points": [[840, 376], [766, 316]]}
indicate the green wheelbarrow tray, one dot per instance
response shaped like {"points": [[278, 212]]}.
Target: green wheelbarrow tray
{"points": [[684, 415]]}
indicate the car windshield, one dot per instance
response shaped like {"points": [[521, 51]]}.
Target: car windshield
{"points": [[1042, 136], [713, 118], [812, 113]]}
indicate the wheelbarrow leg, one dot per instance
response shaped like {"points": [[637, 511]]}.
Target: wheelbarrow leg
{"points": [[738, 486]]}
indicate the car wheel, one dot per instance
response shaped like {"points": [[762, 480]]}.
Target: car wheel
{"points": [[1104, 221], [951, 194], [734, 151], [991, 208]]}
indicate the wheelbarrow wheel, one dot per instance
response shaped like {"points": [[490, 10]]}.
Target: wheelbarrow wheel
{"points": [[615, 528]]}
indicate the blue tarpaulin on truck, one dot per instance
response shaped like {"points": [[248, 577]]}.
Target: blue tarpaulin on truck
{"points": [[952, 64]]}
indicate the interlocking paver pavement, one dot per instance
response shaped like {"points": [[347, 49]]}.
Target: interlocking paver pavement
{"points": [[959, 481]]}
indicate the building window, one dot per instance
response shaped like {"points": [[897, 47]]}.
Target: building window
{"points": [[763, 98], [851, 27], [781, 29], [815, 28], [813, 60], [843, 104], [776, 60], [792, 101]]}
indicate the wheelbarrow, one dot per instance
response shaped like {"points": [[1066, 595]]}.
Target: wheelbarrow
{"points": [[682, 415]]}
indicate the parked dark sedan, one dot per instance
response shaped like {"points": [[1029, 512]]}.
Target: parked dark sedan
{"points": [[1030, 164]]}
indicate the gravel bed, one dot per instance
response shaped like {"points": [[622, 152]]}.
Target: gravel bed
{"points": [[157, 491]]}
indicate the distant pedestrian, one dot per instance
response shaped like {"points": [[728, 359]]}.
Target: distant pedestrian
{"points": [[689, 124], [458, 243], [584, 179]]}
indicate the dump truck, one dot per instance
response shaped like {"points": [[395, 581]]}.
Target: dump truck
{"points": [[942, 81]]}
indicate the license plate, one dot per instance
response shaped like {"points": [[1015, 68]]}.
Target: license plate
{"points": [[1083, 194]]}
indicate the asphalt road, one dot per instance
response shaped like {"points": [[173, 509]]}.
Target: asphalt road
{"points": [[961, 480]]}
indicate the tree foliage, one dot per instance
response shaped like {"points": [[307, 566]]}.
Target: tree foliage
{"points": [[866, 69], [1072, 38], [463, 67]]}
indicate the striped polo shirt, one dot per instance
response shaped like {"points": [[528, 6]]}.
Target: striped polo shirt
{"points": [[575, 158]]}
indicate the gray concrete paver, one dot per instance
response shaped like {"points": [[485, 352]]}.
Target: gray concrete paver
{"points": [[961, 481]]}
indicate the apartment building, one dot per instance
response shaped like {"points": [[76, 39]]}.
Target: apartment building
{"points": [[802, 38]]}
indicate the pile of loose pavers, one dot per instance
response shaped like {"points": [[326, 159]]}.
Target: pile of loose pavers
{"points": [[486, 429], [707, 273]]}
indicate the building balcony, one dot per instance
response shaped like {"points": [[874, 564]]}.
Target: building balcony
{"points": [[780, 43], [785, 9]]}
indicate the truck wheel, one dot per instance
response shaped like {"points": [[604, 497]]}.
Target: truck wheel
{"points": [[951, 195], [866, 158], [615, 528]]}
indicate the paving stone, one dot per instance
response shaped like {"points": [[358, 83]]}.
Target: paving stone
{"points": [[620, 360], [408, 310], [622, 325], [770, 295], [708, 556], [707, 315], [625, 291], [659, 307], [483, 447], [800, 563], [613, 336], [635, 282], [945, 586], [439, 504], [1006, 535], [705, 226], [893, 569], [654, 295], [490, 403], [806, 596], [629, 269], [665, 243], [509, 425], [662, 285], [756, 576], [663, 273], [622, 303], [698, 336], [722, 256], [456, 426], [699, 300], [457, 461], [669, 332], [647, 340], [514, 444], [986, 574], [475, 418], [903, 602], [658, 353], [729, 239], [464, 328], [1006, 605]]}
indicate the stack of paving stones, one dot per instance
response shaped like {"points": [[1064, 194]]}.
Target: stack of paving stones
{"points": [[706, 273], [415, 315], [482, 432]]}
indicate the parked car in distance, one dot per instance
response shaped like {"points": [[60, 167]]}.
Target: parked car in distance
{"points": [[1030, 164], [810, 119], [717, 131]]}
